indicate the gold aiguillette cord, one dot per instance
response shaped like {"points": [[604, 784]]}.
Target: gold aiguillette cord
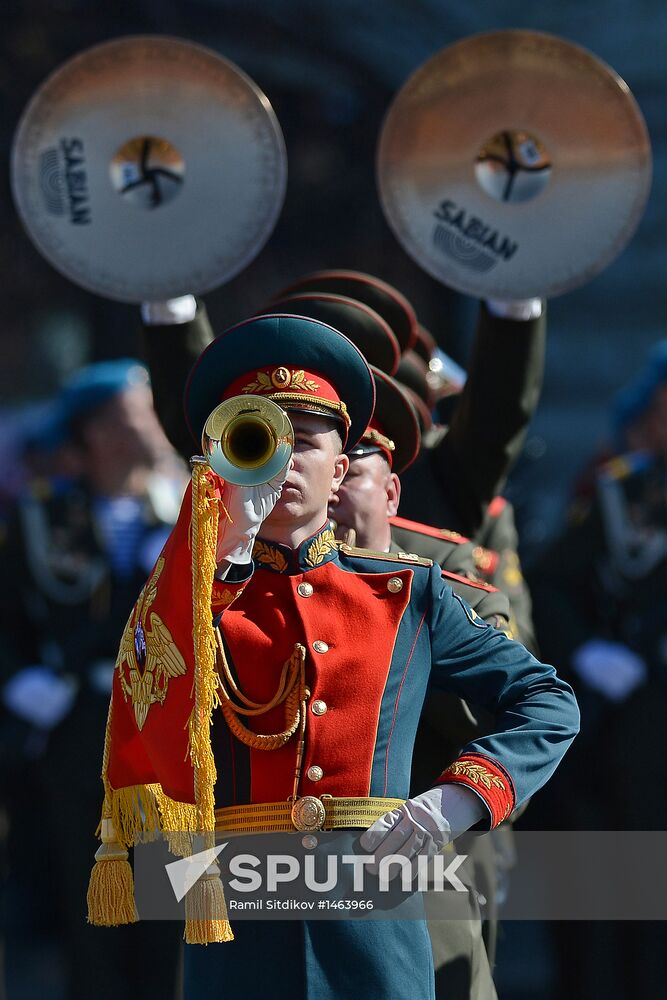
{"points": [[291, 691]]}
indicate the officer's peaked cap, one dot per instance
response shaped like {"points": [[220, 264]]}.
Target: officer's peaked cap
{"points": [[301, 363]]}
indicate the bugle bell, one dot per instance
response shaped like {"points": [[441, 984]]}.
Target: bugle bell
{"points": [[247, 440]]}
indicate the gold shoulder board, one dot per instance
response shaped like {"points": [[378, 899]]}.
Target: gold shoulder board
{"points": [[407, 557], [452, 536]]}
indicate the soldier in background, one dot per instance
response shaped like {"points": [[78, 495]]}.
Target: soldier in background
{"points": [[598, 587], [75, 555], [600, 598], [492, 412], [437, 384], [496, 555]]}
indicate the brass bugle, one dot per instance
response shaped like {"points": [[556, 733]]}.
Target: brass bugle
{"points": [[247, 440]]}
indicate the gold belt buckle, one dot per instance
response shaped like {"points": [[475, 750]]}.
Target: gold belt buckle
{"points": [[308, 814]]}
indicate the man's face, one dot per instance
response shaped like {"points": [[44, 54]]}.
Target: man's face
{"points": [[367, 497], [317, 470], [126, 430]]}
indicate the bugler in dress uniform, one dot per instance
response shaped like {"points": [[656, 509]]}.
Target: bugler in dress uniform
{"points": [[449, 723], [357, 643]]}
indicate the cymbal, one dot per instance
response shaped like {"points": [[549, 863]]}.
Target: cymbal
{"points": [[514, 164], [148, 167]]}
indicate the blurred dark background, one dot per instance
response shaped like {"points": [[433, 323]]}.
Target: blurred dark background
{"points": [[330, 70]]}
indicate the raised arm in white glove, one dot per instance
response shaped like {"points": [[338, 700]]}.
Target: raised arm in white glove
{"points": [[424, 824], [247, 507]]}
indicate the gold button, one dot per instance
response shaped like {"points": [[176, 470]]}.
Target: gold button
{"points": [[319, 707], [320, 647], [315, 773], [309, 841], [304, 590], [394, 585]]}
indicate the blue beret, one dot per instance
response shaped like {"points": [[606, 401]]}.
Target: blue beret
{"points": [[95, 384], [632, 401]]}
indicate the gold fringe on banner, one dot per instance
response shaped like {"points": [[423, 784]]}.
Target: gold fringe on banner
{"points": [[206, 914]]}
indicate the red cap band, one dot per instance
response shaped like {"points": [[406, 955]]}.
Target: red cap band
{"points": [[292, 388]]}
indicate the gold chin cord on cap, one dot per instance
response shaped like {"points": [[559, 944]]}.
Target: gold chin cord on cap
{"points": [[247, 440]]}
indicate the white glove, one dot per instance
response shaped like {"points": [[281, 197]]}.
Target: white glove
{"points": [[38, 695], [519, 309], [423, 825], [609, 668], [169, 313], [247, 507]]}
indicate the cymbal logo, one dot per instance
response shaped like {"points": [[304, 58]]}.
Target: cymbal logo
{"points": [[63, 182], [50, 182], [468, 239], [76, 182]]}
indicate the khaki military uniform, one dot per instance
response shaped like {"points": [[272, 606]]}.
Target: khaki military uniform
{"points": [[496, 557]]}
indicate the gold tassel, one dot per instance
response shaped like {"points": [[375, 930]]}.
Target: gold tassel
{"points": [[206, 913], [111, 888], [205, 910], [110, 895]]}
